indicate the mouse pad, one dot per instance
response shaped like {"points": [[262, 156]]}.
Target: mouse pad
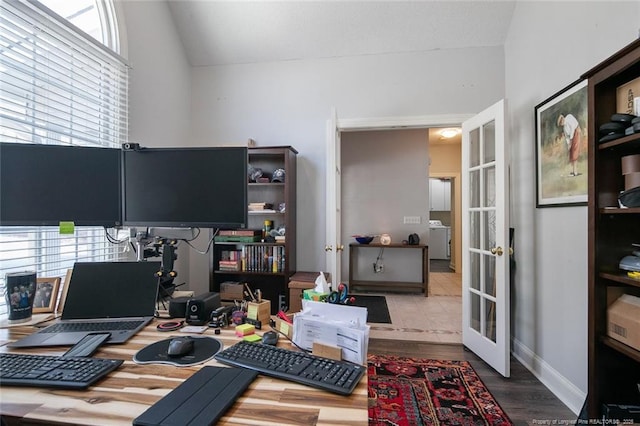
{"points": [[204, 348]]}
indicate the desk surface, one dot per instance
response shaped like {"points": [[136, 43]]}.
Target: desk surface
{"points": [[131, 389]]}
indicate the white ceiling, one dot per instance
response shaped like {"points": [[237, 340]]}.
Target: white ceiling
{"points": [[216, 32]]}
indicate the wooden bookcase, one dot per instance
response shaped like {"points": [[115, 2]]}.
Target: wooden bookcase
{"points": [[272, 283], [613, 367]]}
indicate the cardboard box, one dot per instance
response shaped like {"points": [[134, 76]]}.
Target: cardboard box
{"points": [[624, 320], [625, 95], [231, 290]]}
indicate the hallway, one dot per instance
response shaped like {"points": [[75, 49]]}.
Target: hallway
{"points": [[437, 318]]}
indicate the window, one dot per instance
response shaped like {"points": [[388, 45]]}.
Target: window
{"points": [[61, 82]]}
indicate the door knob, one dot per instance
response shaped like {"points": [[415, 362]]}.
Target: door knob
{"points": [[497, 250], [328, 248], [340, 247]]}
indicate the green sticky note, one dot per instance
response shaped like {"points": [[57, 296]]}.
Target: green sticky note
{"points": [[67, 228]]}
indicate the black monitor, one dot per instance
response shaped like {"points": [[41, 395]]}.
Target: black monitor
{"points": [[185, 187], [42, 185]]}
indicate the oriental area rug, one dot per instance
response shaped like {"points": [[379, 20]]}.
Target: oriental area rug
{"points": [[411, 392]]}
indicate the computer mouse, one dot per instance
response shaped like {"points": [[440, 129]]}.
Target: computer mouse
{"points": [[180, 346], [270, 338]]}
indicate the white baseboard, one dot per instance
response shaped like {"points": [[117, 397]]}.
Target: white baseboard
{"points": [[562, 388]]}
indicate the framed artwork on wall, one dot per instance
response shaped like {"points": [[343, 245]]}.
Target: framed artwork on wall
{"points": [[561, 147]]}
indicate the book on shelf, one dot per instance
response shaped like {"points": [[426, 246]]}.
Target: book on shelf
{"points": [[262, 211], [238, 238], [263, 258], [240, 232], [260, 206]]}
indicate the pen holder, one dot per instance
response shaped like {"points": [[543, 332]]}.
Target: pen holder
{"points": [[260, 311]]}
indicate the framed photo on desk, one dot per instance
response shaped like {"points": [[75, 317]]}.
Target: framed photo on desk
{"points": [[46, 295]]}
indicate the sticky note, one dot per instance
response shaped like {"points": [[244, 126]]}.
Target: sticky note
{"points": [[244, 329], [252, 311], [66, 228], [252, 338], [284, 327]]}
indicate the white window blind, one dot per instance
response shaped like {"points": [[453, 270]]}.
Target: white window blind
{"points": [[57, 86]]}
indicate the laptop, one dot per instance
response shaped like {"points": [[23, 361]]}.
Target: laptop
{"points": [[114, 297]]}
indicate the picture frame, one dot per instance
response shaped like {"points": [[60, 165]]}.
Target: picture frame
{"points": [[46, 295], [561, 126]]}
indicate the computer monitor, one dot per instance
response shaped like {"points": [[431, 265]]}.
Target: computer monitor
{"points": [[42, 185], [185, 187]]}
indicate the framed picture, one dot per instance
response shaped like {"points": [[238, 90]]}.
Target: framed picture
{"points": [[46, 294], [561, 147]]}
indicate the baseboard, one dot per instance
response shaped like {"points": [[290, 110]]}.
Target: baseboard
{"points": [[562, 388]]}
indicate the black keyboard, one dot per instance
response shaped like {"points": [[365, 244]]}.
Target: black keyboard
{"points": [[92, 326], [323, 373], [53, 371]]}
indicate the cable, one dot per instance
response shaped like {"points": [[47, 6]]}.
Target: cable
{"points": [[209, 244], [377, 265]]}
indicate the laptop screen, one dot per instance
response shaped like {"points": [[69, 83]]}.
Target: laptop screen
{"points": [[111, 290]]}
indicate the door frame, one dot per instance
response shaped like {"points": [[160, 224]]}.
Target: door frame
{"points": [[368, 124]]}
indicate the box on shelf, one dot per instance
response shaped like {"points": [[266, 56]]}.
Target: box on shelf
{"points": [[625, 95], [231, 290], [624, 320]]}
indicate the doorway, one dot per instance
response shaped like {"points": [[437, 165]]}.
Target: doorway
{"points": [[368, 204]]}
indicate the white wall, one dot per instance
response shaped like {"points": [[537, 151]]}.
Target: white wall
{"points": [[288, 103], [550, 44], [160, 85]]}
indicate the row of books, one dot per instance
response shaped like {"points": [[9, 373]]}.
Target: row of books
{"points": [[253, 258]]}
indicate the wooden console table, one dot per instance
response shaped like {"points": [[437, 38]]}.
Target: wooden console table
{"points": [[390, 285]]}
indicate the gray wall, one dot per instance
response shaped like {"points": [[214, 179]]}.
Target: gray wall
{"points": [[384, 178], [549, 46]]}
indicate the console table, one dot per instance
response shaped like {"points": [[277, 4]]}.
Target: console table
{"points": [[390, 285]]}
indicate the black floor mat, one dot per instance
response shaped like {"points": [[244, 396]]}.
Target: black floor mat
{"points": [[377, 309], [439, 265]]}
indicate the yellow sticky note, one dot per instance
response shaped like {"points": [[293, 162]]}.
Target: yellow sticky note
{"points": [[284, 327], [252, 312], [67, 228]]}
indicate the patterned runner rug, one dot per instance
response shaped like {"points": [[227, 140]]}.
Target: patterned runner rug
{"points": [[411, 392]]}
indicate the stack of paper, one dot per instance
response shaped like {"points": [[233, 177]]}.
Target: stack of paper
{"points": [[332, 324]]}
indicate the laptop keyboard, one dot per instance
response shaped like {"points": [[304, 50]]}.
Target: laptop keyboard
{"points": [[93, 326]]}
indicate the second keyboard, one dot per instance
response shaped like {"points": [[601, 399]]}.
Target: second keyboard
{"points": [[339, 377]]}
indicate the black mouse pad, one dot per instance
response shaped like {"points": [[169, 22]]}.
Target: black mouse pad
{"points": [[204, 348]]}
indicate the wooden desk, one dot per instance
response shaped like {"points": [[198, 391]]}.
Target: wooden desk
{"points": [[132, 388], [390, 285]]}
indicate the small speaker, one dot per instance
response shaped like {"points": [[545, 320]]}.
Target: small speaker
{"points": [[199, 308], [178, 307]]}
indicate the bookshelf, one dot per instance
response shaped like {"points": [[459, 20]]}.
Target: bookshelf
{"points": [[245, 256]]}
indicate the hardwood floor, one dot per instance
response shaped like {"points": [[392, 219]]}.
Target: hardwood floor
{"points": [[525, 400]]}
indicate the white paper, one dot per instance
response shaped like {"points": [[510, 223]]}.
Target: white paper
{"points": [[337, 325]]}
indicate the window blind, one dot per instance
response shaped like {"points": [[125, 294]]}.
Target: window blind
{"points": [[57, 86]]}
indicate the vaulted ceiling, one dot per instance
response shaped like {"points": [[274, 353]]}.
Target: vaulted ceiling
{"points": [[238, 32]]}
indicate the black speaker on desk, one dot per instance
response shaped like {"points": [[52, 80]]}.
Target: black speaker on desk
{"points": [[199, 308]]}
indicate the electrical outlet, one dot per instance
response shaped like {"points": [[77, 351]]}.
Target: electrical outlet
{"points": [[412, 220]]}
